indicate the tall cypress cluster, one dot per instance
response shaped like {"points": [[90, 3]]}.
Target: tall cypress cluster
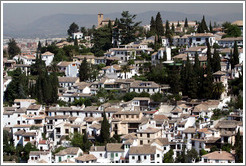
{"points": [[202, 27]]}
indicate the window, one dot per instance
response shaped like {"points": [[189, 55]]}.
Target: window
{"points": [[133, 157], [198, 39], [148, 135], [158, 155], [141, 142], [18, 137], [100, 154], [145, 157], [132, 116], [165, 148], [8, 116], [126, 116], [141, 134], [66, 131], [116, 154]]}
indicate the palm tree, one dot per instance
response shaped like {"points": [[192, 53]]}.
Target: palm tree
{"points": [[218, 89], [125, 69]]}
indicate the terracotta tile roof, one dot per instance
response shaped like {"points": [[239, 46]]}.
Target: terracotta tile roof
{"points": [[142, 150], [114, 147], [191, 130], [231, 39], [42, 141], [202, 35], [181, 56], [86, 157], [47, 53], [113, 109], [141, 98], [160, 141], [177, 110], [98, 148], [34, 107], [29, 134], [68, 79], [20, 132], [202, 58], [95, 126], [160, 117], [149, 130], [71, 150], [198, 48], [42, 161], [200, 108], [219, 155], [128, 142], [127, 113], [129, 136], [25, 100], [144, 84], [64, 64], [219, 73], [227, 124]]}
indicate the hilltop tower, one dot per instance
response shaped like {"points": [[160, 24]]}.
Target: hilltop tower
{"points": [[99, 19]]}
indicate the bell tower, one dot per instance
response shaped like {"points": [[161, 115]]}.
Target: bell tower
{"points": [[99, 19]]}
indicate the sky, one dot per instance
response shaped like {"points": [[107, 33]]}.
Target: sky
{"points": [[28, 12]]}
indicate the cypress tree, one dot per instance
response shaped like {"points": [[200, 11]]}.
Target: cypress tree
{"points": [[186, 23], [235, 54], [39, 46], [202, 27], [216, 61], [159, 25], [84, 70], [178, 25], [173, 28], [167, 32], [210, 27], [76, 41], [209, 68], [232, 60], [174, 80], [105, 133], [152, 25]]}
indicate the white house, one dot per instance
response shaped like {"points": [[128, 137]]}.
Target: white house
{"points": [[196, 39], [27, 59], [145, 154], [68, 153], [78, 35], [157, 56], [218, 157], [69, 68], [115, 71], [229, 42], [144, 86], [86, 158], [47, 57], [20, 103], [39, 157], [100, 153]]}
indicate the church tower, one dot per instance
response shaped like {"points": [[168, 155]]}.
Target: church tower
{"points": [[99, 19]]}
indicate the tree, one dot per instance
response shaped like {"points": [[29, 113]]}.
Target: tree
{"points": [[168, 157], [102, 39], [168, 32], [231, 30], [128, 27], [84, 70], [158, 74], [173, 28], [210, 27], [76, 41], [235, 55], [174, 80], [27, 148], [218, 89], [17, 88], [152, 25], [202, 27], [77, 140], [13, 49], [125, 69], [39, 46], [105, 133], [84, 31], [186, 23], [238, 146], [192, 155], [159, 25], [86, 143], [216, 61], [73, 28], [178, 25]]}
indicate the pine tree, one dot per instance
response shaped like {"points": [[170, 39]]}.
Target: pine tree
{"points": [[216, 61], [84, 70], [152, 25], [105, 127], [159, 25], [186, 23]]}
